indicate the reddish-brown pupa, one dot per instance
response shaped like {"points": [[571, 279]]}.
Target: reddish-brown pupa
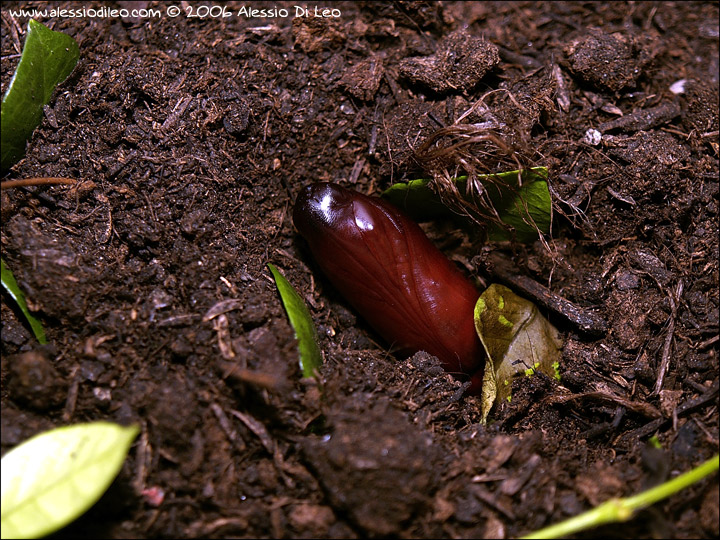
{"points": [[389, 271]]}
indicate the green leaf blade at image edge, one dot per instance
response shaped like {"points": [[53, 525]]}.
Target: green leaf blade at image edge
{"points": [[12, 288], [47, 59], [517, 339], [301, 321], [623, 509], [520, 207], [51, 479]]}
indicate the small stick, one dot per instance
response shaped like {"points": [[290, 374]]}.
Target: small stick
{"points": [[226, 426], [665, 363], [563, 98], [643, 119], [642, 408], [247, 376], [588, 322], [708, 342], [36, 182], [709, 396]]}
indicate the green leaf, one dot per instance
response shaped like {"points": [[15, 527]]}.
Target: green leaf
{"points": [[418, 200], [526, 208], [301, 321], [48, 58], [54, 477], [517, 339], [12, 288]]}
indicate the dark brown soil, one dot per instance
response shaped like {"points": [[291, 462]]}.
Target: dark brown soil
{"points": [[192, 137]]}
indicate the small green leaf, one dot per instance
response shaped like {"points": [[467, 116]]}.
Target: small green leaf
{"points": [[523, 208], [48, 58], [54, 477], [301, 321], [517, 339], [654, 442], [12, 288], [526, 208], [556, 371], [418, 200]]}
